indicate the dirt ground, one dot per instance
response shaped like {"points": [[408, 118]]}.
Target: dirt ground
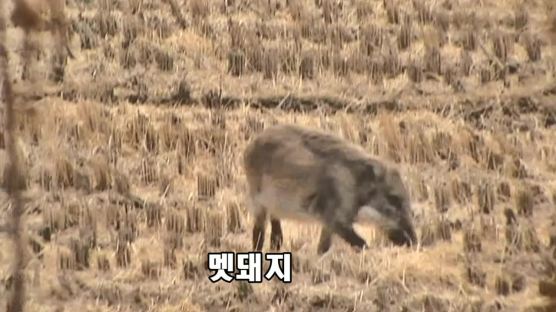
{"points": [[132, 150]]}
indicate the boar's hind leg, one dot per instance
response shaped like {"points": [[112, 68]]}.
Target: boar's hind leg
{"points": [[276, 237], [259, 228], [325, 240]]}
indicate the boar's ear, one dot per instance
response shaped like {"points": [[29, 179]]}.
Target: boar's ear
{"points": [[368, 181], [373, 172], [394, 175], [370, 174]]}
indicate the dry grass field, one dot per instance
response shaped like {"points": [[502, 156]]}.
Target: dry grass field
{"points": [[131, 150]]}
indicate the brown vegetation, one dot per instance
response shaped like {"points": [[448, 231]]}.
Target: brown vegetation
{"points": [[13, 180], [128, 153]]}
